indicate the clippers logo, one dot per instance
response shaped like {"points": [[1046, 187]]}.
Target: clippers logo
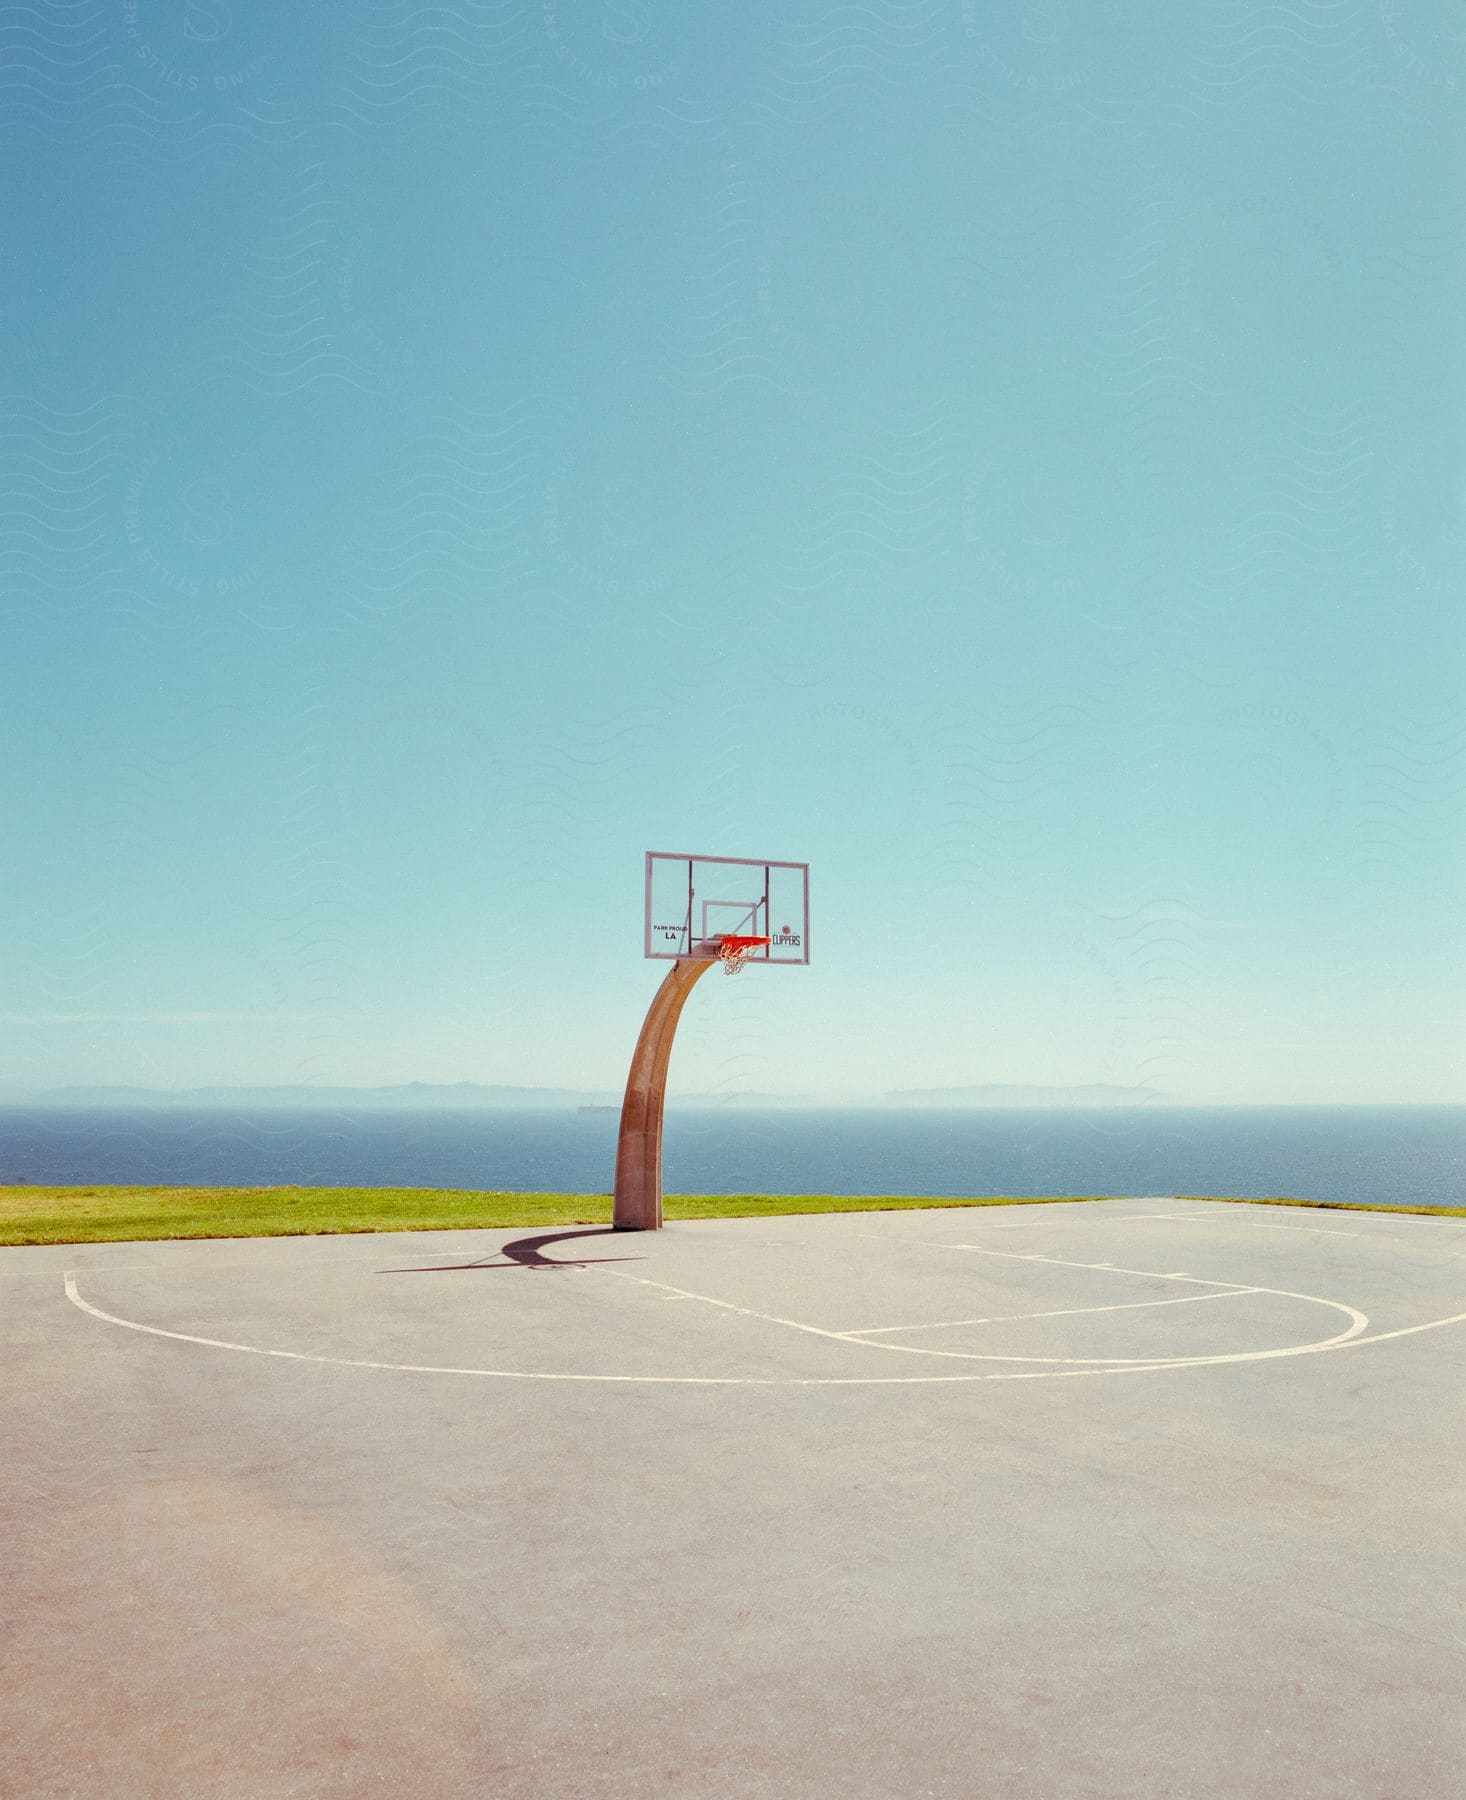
{"points": [[785, 936]]}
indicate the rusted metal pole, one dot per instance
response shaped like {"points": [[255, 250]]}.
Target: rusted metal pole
{"points": [[639, 1147]]}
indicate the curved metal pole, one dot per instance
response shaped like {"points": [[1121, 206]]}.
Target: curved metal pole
{"points": [[639, 1147]]}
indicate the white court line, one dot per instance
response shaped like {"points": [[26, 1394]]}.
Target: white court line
{"points": [[1256, 1224], [1194, 1218], [1358, 1321], [96, 1269], [349, 1362], [1067, 1312], [1314, 1230], [1359, 1215], [1151, 1367], [1111, 1269]]}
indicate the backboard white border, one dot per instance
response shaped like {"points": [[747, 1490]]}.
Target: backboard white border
{"points": [[746, 862]]}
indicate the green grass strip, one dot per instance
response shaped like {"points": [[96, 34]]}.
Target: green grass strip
{"points": [[99, 1215]]}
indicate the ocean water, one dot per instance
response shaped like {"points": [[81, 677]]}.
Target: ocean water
{"points": [[1413, 1155]]}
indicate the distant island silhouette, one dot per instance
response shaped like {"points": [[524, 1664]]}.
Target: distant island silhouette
{"points": [[471, 1096]]}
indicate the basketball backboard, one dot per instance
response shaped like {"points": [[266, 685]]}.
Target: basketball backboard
{"points": [[692, 902]]}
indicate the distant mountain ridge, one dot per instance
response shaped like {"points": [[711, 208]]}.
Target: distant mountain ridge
{"points": [[1004, 1094], [473, 1096], [412, 1096]]}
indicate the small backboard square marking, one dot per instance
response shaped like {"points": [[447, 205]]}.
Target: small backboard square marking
{"points": [[694, 902]]}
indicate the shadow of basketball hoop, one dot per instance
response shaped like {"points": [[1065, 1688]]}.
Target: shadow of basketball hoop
{"points": [[525, 1253]]}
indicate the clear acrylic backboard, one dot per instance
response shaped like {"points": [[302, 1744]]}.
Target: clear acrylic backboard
{"points": [[693, 902]]}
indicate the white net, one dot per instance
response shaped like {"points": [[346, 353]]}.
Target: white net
{"points": [[734, 951]]}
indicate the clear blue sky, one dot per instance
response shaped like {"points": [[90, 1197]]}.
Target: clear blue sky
{"points": [[1011, 458]]}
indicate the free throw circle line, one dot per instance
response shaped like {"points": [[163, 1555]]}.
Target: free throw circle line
{"points": [[1359, 1322], [346, 1362], [1063, 1312]]}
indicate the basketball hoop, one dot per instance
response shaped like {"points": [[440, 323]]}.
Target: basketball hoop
{"points": [[734, 951]]}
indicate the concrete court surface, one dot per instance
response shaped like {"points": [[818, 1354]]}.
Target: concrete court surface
{"points": [[1133, 1498]]}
